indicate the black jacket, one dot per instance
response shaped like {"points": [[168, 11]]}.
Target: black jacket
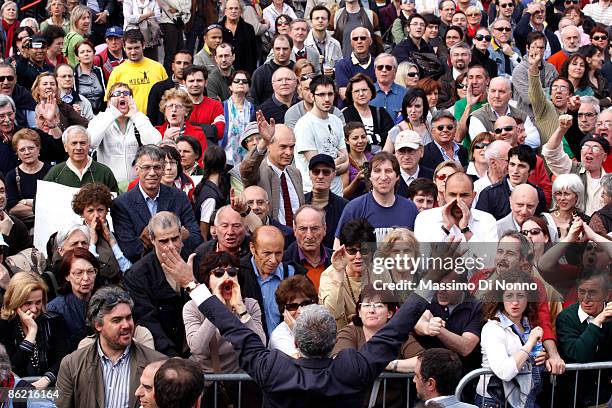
{"points": [[495, 199], [381, 118], [402, 188], [24, 102], [333, 211], [478, 58], [244, 43], [432, 156], [261, 83], [292, 257], [155, 96], [157, 306], [404, 49]]}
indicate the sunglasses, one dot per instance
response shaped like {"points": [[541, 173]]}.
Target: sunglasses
{"points": [[506, 5], [241, 81], [600, 37], [231, 271], [292, 307], [306, 77], [481, 37], [480, 146], [412, 74], [461, 86], [384, 67], [533, 231], [326, 172], [361, 250], [442, 176], [360, 38], [116, 94], [9, 78], [442, 127], [473, 15], [571, 2], [502, 29], [498, 131]]}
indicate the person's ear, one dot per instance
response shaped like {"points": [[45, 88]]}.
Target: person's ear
{"points": [[252, 248]]}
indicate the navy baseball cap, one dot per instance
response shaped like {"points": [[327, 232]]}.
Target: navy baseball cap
{"points": [[114, 31], [321, 159]]}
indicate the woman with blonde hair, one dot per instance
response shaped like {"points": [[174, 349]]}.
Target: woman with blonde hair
{"points": [[407, 74], [9, 24], [34, 338], [45, 92], [399, 242], [441, 173], [57, 15], [80, 27]]}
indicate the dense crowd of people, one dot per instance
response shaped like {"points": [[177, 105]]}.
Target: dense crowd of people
{"points": [[239, 168]]}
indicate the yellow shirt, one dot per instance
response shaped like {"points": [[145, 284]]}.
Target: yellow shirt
{"points": [[140, 76]]}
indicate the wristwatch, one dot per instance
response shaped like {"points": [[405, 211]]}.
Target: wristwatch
{"points": [[465, 230], [191, 286], [245, 213]]}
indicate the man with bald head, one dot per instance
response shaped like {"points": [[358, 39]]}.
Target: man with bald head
{"points": [[457, 217], [259, 203], [269, 166], [523, 204], [146, 390], [262, 85], [570, 42], [498, 98], [262, 271], [284, 85]]}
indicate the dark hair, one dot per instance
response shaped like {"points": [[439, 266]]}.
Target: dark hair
{"points": [[171, 152], [598, 29], [432, 19], [282, 36], [240, 71], [383, 157], [588, 51], [293, 287], [91, 194], [482, 136], [458, 29], [357, 231], [67, 260], [192, 69], [84, 42], [354, 80], [133, 36], [183, 51], [19, 30], [214, 162], [590, 273], [321, 80], [195, 144], [525, 154], [424, 186], [541, 223], [567, 81], [213, 260], [535, 36], [480, 67], [349, 127], [413, 16], [494, 299], [53, 32], [444, 366], [411, 95], [369, 292], [584, 81], [179, 383], [320, 7], [575, 8]]}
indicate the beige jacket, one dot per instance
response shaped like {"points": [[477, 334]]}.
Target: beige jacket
{"points": [[337, 298]]}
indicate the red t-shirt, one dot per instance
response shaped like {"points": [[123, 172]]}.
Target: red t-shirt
{"points": [[209, 112]]}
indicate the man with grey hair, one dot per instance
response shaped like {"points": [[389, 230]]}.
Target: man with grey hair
{"points": [[444, 147], [158, 301], [80, 169], [358, 61], [496, 155], [587, 114], [257, 200], [132, 211], [460, 57], [570, 42], [106, 372], [389, 95], [24, 102]]}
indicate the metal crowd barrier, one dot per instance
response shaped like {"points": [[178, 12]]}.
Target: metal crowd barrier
{"points": [[603, 365]]}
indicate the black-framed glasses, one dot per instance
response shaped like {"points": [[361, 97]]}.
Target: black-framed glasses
{"points": [[442, 127], [481, 37], [116, 94], [231, 271], [364, 250], [502, 29], [292, 307], [571, 2], [595, 38], [506, 5], [384, 67], [241, 81], [359, 38], [508, 128], [9, 78], [461, 86], [480, 146], [532, 231]]}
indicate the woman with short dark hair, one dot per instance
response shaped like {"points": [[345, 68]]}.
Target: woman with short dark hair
{"points": [[191, 152]]}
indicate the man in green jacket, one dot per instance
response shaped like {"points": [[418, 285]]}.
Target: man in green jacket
{"points": [[80, 169]]}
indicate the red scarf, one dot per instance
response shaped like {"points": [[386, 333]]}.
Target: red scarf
{"points": [[471, 32], [9, 29]]}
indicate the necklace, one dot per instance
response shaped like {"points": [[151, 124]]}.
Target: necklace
{"points": [[34, 358], [350, 288]]}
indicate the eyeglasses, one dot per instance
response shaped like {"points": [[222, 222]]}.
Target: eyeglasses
{"points": [[325, 172], [594, 149], [292, 307], [378, 306], [508, 128], [116, 94], [359, 91], [481, 37], [282, 23], [147, 168], [306, 77], [586, 114], [177, 106], [538, 12], [473, 15], [502, 29], [595, 38], [258, 203], [27, 149], [329, 95], [281, 80], [416, 24], [385, 67], [412, 74], [241, 81], [480, 146], [362, 250], [559, 88], [533, 231], [9, 78], [231, 271], [359, 38], [506, 5], [91, 273], [111, 300], [442, 176], [461, 86], [442, 127], [571, 2], [170, 162]]}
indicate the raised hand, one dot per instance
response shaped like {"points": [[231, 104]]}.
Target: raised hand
{"points": [[174, 266], [447, 214], [238, 202], [93, 234], [133, 109], [28, 321], [565, 122], [340, 260], [471, 98], [466, 214], [172, 132], [266, 129]]}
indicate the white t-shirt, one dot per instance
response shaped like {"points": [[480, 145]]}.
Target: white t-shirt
{"points": [[321, 136], [282, 339]]}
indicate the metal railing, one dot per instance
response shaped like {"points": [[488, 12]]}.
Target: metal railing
{"points": [[603, 365]]}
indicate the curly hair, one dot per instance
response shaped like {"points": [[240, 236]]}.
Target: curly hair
{"points": [[493, 300], [176, 93], [294, 287], [91, 194]]}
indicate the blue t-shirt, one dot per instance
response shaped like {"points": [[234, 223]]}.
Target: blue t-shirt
{"points": [[384, 219]]}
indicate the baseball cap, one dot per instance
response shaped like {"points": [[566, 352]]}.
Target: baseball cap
{"points": [[38, 42], [322, 158], [408, 138], [114, 31], [599, 139]]}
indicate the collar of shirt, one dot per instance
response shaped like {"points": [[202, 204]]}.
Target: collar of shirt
{"points": [[434, 399], [509, 185], [279, 103], [278, 272], [456, 73], [295, 50], [355, 61], [324, 255], [276, 170], [77, 171], [455, 149], [393, 90], [409, 177], [207, 50], [146, 196], [506, 322], [582, 316], [124, 355]]}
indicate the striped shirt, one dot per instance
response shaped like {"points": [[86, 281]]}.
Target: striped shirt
{"points": [[116, 379]]}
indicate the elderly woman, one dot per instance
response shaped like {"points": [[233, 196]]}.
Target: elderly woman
{"points": [[479, 165], [374, 309], [191, 152], [46, 94], [238, 112], [22, 180], [407, 74], [68, 237], [89, 79], [8, 27], [118, 132], [291, 296], [176, 107], [35, 339], [57, 16], [92, 203], [340, 283], [219, 271], [415, 109], [80, 27], [359, 93], [601, 220], [567, 201], [474, 16], [79, 269], [441, 173]]}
